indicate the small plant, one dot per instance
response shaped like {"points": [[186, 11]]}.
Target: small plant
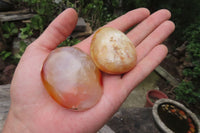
{"points": [[69, 42], [187, 92], [97, 12], [5, 55], [26, 32], [46, 11], [9, 29], [22, 48], [37, 23]]}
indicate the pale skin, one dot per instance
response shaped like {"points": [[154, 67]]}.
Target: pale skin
{"points": [[33, 110]]}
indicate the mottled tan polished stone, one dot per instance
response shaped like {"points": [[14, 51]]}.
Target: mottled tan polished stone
{"points": [[112, 51]]}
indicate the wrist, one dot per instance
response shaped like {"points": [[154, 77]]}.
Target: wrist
{"points": [[14, 125]]}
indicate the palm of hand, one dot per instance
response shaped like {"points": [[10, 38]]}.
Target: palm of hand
{"points": [[35, 108]]}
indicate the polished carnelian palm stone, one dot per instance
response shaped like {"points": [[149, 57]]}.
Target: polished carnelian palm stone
{"points": [[72, 79], [112, 51]]}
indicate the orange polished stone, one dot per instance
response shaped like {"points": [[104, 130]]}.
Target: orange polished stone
{"points": [[112, 51], [72, 79]]}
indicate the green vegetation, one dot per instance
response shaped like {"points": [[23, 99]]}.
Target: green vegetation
{"points": [[9, 30], [5, 55], [97, 12], [46, 11], [22, 48], [188, 91], [69, 42]]}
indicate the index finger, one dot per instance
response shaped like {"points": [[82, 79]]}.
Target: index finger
{"points": [[122, 23], [58, 30]]}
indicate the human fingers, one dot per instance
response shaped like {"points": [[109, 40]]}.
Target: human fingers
{"points": [[58, 30], [155, 38], [142, 30], [122, 23], [144, 68], [129, 19]]}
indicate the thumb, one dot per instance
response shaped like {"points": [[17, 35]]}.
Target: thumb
{"points": [[58, 30]]}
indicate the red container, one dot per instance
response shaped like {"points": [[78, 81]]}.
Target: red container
{"points": [[152, 96]]}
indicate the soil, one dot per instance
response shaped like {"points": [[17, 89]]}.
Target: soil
{"points": [[6, 71], [172, 65]]}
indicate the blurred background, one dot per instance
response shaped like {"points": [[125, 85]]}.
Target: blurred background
{"points": [[22, 21]]}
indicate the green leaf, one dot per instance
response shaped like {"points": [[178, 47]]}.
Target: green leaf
{"points": [[6, 27], [14, 31], [22, 30], [12, 25], [40, 11], [18, 56], [5, 54], [30, 33], [37, 22], [6, 36], [23, 36]]}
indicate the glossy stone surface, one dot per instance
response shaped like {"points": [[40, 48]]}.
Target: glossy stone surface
{"points": [[72, 79], [112, 51]]}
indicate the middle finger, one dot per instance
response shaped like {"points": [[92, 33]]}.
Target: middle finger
{"points": [[142, 30]]}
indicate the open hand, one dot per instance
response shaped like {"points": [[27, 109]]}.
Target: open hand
{"points": [[33, 110]]}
